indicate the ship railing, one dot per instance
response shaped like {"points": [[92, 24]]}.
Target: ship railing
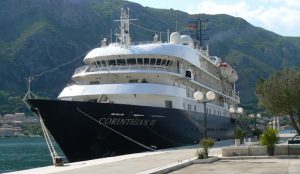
{"points": [[95, 68], [231, 93], [81, 69], [210, 85], [145, 42]]}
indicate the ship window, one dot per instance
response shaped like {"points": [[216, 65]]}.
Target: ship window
{"points": [[189, 107], [111, 62], [188, 74], [144, 81], [171, 63], [121, 62], [168, 62], [103, 63], [195, 108], [94, 82], [163, 62], [183, 105], [158, 62], [168, 104], [140, 61], [146, 61], [131, 61], [152, 61], [133, 80]]}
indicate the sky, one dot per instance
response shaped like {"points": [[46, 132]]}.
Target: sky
{"points": [[279, 16]]}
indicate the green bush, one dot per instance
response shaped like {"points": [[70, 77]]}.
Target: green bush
{"points": [[270, 138], [256, 132], [239, 133], [200, 154], [206, 143]]}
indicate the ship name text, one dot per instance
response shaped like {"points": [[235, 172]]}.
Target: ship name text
{"points": [[127, 121]]}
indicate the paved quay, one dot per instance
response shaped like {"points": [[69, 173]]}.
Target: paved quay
{"points": [[151, 162], [246, 166], [128, 164]]}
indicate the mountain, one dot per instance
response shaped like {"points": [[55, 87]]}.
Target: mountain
{"points": [[39, 35]]}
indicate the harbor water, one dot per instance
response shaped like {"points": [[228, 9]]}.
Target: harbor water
{"points": [[23, 153]]}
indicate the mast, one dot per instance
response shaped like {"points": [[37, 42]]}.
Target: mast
{"points": [[196, 28], [124, 35]]}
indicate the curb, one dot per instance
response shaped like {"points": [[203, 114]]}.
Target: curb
{"points": [[247, 157], [261, 157], [179, 165]]}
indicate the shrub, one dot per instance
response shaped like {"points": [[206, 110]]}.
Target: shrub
{"points": [[270, 138], [206, 143], [200, 154], [239, 133], [257, 132]]}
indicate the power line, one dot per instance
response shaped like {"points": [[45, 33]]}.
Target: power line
{"points": [[154, 31], [59, 66]]}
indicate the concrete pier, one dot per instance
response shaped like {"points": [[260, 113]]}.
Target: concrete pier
{"points": [[180, 159], [128, 164]]}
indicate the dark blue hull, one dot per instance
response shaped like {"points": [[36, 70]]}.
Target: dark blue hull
{"points": [[87, 130]]}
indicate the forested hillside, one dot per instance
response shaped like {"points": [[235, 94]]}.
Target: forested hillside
{"points": [[38, 35]]}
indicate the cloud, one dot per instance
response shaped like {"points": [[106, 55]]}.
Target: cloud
{"points": [[289, 3], [279, 16]]}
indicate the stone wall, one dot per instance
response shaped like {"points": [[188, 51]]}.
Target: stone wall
{"points": [[280, 149]]}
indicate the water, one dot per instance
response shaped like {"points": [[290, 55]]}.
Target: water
{"points": [[23, 153], [288, 131]]}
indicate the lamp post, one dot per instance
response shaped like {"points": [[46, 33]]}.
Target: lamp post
{"points": [[255, 119], [236, 111], [209, 97], [257, 116]]}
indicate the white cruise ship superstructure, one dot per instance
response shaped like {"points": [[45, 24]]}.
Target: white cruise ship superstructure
{"points": [[130, 98]]}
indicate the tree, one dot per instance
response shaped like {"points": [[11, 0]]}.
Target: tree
{"points": [[280, 94]]}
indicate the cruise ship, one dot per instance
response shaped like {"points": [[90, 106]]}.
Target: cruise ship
{"points": [[131, 98]]}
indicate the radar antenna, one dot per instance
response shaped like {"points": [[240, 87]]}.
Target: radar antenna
{"points": [[124, 35], [196, 28]]}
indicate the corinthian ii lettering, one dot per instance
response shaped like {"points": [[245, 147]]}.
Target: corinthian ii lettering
{"points": [[127, 121]]}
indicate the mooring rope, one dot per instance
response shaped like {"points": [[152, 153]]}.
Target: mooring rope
{"points": [[46, 133]]}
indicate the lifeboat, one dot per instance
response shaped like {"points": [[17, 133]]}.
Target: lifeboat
{"points": [[227, 71]]}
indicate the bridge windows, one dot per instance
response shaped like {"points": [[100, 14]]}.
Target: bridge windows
{"points": [[168, 104], [121, 62], [146, 61], [131, 61], [152, 61], [111, 62], [103, 62], [158, 61], [134, 61], [140, 61]]}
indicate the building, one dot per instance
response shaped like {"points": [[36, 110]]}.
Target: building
{"points": [[6, 132]]}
